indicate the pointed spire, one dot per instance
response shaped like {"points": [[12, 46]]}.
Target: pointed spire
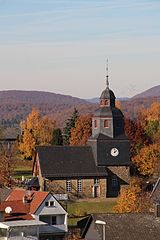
{"points": [[107, 81]]}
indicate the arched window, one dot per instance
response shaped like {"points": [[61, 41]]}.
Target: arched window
{"points": [[107, 102], [95, 123], [106, 123]]}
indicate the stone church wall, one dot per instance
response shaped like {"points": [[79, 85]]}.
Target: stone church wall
{"points": [[88, 188]]}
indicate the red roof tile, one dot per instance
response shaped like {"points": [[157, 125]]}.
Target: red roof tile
{"points": [[36, 198], [16, 206]]}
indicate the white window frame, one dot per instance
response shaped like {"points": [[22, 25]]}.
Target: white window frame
{"points": [[68, 186], [79, 185]]}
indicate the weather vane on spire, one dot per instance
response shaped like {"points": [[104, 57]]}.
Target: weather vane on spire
{"points": [[107, 81]]}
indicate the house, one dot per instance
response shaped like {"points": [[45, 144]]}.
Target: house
{"points": [[22, 208], [124, 226], [99, 169]]}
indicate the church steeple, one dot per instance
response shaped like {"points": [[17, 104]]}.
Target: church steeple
{"points": [[107, 98], [107, 76], [107, 119]]}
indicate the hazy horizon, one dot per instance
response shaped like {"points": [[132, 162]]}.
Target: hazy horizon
{"points": [[61, 46]]}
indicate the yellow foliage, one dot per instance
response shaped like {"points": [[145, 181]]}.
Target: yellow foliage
{"points": [[82, 131], [147, 160], [36, 130], [132, 199]]}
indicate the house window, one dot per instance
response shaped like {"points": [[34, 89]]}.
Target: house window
{"points": [[68, 186], [96, 181], [106, 123], [52, 203], [54, 220], [95, 123], [79, 185]]}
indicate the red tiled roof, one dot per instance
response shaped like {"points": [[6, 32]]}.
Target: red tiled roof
{"points": [[19, 217], [36, 198], [16, 206]]}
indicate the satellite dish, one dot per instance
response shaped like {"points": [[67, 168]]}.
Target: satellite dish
{"points": [[8, 210]]}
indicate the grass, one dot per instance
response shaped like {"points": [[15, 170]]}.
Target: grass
{"points": [[78, 210], [23, 168]]}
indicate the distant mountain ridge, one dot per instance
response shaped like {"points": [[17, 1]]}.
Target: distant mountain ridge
{"points": [[21, 96], [16, 105], [152, 92]]}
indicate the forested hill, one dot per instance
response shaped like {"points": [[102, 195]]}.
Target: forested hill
{"points": [[37, 97], [16, 105]]}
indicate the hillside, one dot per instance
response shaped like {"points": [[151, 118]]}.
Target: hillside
{"points": [[16, 105], [152, 92]]}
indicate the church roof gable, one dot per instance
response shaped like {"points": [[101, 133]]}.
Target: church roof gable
{"points": [[68, 161]]}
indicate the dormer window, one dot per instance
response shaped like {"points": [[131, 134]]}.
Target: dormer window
{"points": [[50, 204], [106, 123]]}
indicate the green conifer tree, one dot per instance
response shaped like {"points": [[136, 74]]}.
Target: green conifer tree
{"points": [[70, 123], [57, 137]]}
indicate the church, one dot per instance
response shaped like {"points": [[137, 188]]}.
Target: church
{"points": [[98, 169]]}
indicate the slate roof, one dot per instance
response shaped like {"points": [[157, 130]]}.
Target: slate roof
{"points": [[123, 226], [102, 136], [107, 93], [34, 182], [68, 161], [108, 112]]}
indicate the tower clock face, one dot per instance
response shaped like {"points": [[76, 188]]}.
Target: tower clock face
{"points": [[114, 152]]}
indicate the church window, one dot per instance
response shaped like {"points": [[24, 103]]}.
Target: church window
{"points": [[95, 123], [96, 181], [106, 102], [106, 123], [114, 181], [68, 186], [79, 185]]}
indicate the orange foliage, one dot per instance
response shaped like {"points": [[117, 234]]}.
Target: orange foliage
{"points": [[151, 113], [132, 199], [82, 131], [148, 159], [7, 164]]}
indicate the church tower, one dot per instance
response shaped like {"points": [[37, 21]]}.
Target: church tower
{"points": [[109, 144]]}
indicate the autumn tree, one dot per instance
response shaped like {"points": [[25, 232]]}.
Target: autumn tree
{"points": [[148, 160], [7, 163], [70, 123], [82, 131], [132, 199], [57, 138], [150, 119], [36, 130], [136, 135]]}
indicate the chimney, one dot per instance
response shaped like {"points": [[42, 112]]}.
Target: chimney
{"points": [[28, 197]]}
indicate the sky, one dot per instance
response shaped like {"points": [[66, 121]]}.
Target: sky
{"points": [[62, 46]]}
